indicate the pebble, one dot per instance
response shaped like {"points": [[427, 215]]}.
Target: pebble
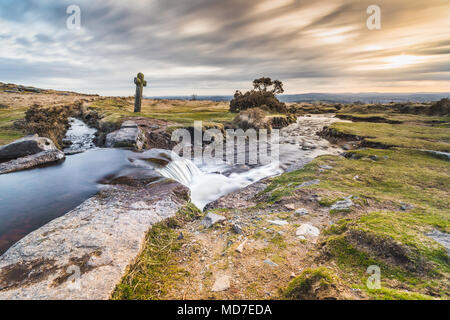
{"points": [[307, 230], [222, 283], [237, 229], [240, 248], [301, 212], [211, 219]]}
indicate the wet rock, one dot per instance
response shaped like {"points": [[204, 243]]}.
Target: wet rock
{"points": [[342, 204], [41, 158], [92, 245], [307, 230], [128, 136], [26, 146], [222, 283], [211, 219], [242, 198], [301, 212]]}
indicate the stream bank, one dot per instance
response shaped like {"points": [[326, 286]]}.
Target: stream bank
{"points": [[105, 233]]}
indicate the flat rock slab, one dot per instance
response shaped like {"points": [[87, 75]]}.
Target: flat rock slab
{"points": [[211, 219], [128, 136], [26, 146], [342, 204], [307, 230], [31, 161], [222, 283], [85, 253]]}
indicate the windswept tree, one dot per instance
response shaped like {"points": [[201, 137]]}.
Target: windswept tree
{"points": [[267, 85], [262, 96]]}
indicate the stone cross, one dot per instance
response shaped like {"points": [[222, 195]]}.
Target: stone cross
{"points": [[140, 84]]}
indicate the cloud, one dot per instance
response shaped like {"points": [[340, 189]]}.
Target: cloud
{"points": [[218, 46]]}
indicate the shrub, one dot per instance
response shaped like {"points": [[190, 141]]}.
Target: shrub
{"points": [[51, 122], [252, 118], [262, 96]]}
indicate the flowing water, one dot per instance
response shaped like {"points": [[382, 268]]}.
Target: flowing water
{"points": [[80, 137], [31, 198]]}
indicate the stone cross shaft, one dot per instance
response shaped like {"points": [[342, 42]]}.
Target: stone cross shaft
{"points": [[140, 84]]}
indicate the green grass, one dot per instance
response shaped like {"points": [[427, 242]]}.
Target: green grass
{"points": [[182, 112], [389, 117], [400, 135], [155, 269], [7, 131], [310, 280], [399, 175]]}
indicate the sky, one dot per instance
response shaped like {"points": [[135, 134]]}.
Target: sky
{"points": [[210, 47]]}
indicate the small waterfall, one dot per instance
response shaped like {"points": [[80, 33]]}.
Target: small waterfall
{"points": [[209, 186], [181, 170]]}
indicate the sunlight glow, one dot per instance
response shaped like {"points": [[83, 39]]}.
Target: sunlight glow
{"points": [[402, 61]]}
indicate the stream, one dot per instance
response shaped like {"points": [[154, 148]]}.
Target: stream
{"points": [[29, 199]]}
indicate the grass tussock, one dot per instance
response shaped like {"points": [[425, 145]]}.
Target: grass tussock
{"points": [[319, 283], [155, 269]]}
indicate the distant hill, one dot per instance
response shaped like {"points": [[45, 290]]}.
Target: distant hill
{"points": [[334, 97]]}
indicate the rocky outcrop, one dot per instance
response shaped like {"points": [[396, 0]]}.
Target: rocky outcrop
{"points": [[128, 136], [32, 161], [242, 198], [25, 146], [84, 254], [28, 152]]}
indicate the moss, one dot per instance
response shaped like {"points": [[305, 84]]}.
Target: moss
{"points": [[409, 230], [400, 175], [309, 283], [338, 228], [279, 241], [328, 201], [155, 270], [407, 136], [354, 263], [393, 294]]}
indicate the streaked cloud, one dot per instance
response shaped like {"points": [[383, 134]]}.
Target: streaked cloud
{"points": [[218, 46]]}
